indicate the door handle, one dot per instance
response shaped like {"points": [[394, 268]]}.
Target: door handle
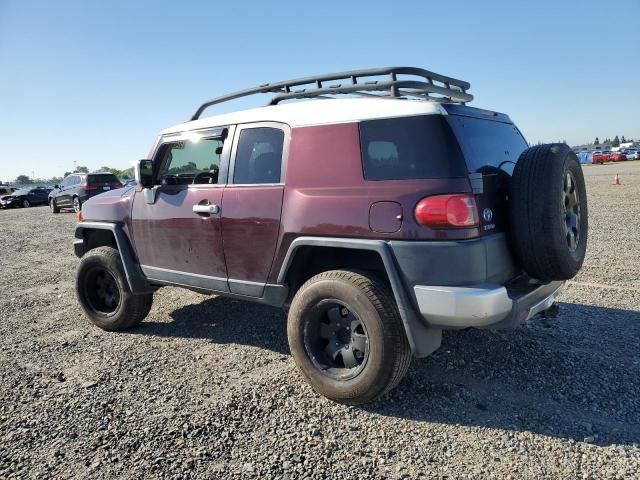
{"points": [[208, 209]]}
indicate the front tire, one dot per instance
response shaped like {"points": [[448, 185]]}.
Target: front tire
{"points": [[104, 294], [54, 206], [347, 338]]}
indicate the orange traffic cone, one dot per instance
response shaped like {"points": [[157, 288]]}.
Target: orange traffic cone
{"points": [[616, 180]]}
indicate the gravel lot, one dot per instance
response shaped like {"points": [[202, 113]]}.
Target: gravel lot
{"points": [[206, 388]]}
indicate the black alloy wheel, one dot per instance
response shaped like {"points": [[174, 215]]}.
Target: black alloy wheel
{"points": [[336, 340], [101, 291], [571, 205]]}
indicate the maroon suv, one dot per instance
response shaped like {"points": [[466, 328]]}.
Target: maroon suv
{"points": [[377, 220]]}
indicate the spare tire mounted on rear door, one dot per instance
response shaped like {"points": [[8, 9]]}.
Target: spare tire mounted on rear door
{"points": [[548, 212]]}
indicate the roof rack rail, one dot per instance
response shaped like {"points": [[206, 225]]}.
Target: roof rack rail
{"points": [[447, 89]]}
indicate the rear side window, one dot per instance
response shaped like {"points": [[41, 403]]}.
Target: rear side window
{"points": [[488, 144], [102, 178], [259, 156], [409, 148]]}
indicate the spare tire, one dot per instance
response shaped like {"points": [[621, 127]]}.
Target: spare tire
{"points": [[548, 212]]}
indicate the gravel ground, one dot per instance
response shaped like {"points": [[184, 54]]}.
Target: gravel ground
{"points": [[206, 388]]}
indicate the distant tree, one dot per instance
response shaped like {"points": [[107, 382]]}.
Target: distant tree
{"points": [[616, 142], [127, 173], [596, 141], [607, 141], [82, 169], [23, 179], [623, 140], [66, 174]]}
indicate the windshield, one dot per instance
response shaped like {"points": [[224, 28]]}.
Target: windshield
{"points": [[487, 144]]}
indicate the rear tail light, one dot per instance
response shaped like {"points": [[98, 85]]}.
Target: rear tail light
{"points": [[447, 211], [117, 185]]}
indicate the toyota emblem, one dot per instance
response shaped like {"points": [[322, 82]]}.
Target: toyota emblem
{"points": [[487, 214]]}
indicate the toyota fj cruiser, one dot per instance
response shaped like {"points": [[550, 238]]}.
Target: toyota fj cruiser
{"points": [[377, 220]]}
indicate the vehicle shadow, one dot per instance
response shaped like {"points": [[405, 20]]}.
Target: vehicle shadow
{"points": [[225, 320], [574, 377]]}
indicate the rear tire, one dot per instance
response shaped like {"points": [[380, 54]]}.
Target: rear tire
{"points": [[548, 212], [77, 204], [104, 294], [348, 365], [26, 203], [54, 207]]}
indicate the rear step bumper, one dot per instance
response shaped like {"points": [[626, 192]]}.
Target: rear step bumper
{"points": [[485, 306]]}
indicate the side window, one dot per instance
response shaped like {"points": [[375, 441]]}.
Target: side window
{"points": [[259, 156], [192, 162], [405, 148]]}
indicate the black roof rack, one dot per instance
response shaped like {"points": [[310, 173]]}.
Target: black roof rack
{"points": [[446, 89]]}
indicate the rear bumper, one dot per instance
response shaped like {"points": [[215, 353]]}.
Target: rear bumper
{"points": [[485, 306]]}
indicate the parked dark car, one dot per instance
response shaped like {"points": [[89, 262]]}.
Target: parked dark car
{"points": [[77, 188], [25, 197], [377, 223]]}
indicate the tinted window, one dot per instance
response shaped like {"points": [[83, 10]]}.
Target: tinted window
{"points": [[409, 148], [102, 178], [184, 161], [487, 143], [259, 156]]}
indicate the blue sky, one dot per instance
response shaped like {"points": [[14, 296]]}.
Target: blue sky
{"points": [[95, 81]]}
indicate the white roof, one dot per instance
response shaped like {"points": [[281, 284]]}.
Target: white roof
{"points": [[317, 112]]}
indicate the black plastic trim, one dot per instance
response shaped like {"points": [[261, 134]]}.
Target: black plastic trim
{"points": [[481, 260], [422, 339], [136, 279]]}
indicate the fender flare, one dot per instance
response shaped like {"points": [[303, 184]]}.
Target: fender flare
{"points": [[135, 278], [423, 340]]}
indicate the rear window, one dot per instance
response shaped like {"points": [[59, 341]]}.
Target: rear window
{"points": [[409, 148], [102, 178], [488, 144]]}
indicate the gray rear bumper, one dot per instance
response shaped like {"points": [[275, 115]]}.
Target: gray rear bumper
{"points": [[484, 306]]}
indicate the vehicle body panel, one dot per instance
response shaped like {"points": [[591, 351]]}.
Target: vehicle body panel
{"points": [[169, 235]]}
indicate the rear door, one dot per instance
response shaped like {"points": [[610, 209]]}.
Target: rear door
{"points": [[176, 225], [252, 204], [491, 145]]}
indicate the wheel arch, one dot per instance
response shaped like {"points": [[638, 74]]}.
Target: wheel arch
{"points": [[90, 235], [308, 256]]}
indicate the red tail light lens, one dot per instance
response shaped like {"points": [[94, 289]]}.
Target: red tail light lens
{"points": [[447, 211], [117, 185]]}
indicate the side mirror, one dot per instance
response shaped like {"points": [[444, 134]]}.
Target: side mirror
{"points": [[56, 186], [144, 173]]}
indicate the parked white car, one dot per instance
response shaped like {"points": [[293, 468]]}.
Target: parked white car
{"points": [[632, 154]]}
